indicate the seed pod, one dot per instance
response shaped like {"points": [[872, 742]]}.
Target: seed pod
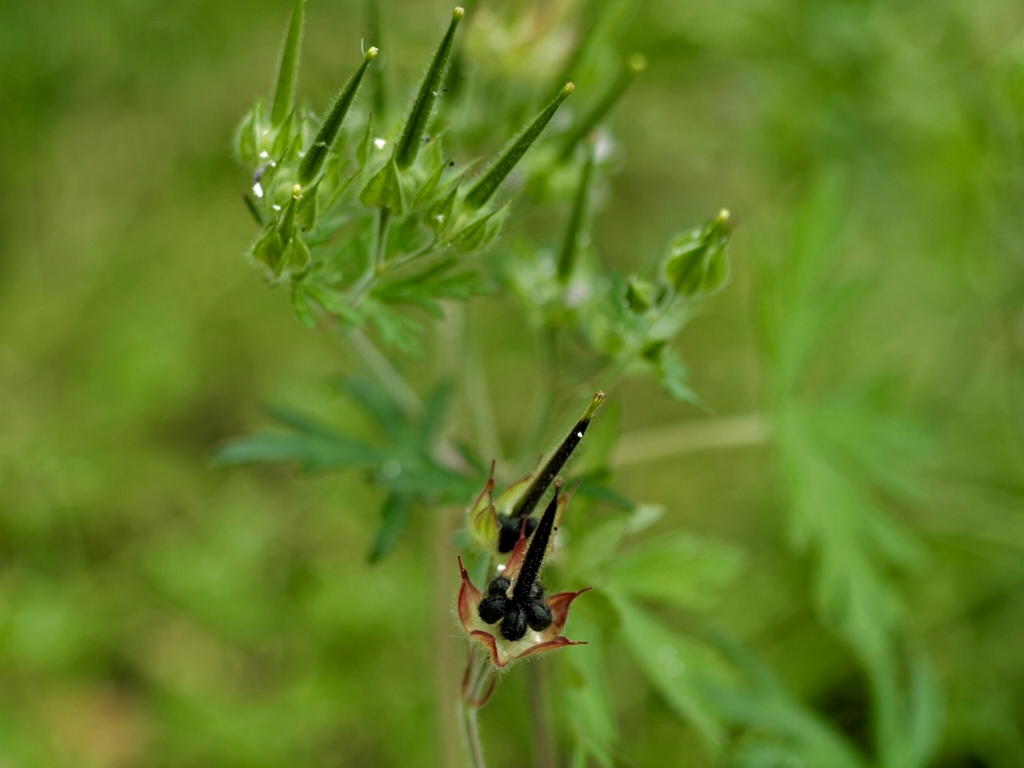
{"points": [[507, 160]]}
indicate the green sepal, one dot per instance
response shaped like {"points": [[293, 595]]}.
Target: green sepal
{"points": [[285, 137], [439, 213], [296, 257], [287, 226], [363, 150], [246, 139], [419, 115], [308, 209], [430, 185], [503, 165], [269, 248], [288, 69], [482, 519], [697, 262], [478, 234], [251, 206], [384, 189], [325, 137]]}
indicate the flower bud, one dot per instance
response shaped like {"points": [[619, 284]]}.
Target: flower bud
{"points": [[697, 261]]}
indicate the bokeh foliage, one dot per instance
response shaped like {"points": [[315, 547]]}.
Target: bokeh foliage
{"points": [[864, 604]]}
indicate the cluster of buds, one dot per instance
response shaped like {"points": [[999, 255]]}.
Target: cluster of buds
{"points": [[515, 618]]}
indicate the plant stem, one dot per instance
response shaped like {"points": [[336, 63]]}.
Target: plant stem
{"points": [[551, 375], [390, 378], [380, 245], [478, 399], [471, 735], [542, 745], [661, 442], [446, 650]]}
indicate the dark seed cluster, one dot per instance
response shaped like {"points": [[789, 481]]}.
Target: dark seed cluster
{"points": [[510, 529], [515, 615]]}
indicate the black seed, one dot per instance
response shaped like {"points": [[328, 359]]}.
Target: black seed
{"points": [[537, 591], [538, 615], [513, 626], [494, 608], [499, 586], [510, 528]]}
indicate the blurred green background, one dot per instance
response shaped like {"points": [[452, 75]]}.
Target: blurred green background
{"points": [[155, 611]]}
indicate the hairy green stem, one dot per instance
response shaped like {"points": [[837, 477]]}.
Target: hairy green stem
{"points": [[471, 736]]}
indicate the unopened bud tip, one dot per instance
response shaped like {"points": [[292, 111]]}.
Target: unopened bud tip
{"points": [[458, 13], [594, 405], [372, 53]]}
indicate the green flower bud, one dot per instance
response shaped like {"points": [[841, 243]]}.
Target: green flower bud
{"points": [[639, 295], [697, 262], [384, 189]]}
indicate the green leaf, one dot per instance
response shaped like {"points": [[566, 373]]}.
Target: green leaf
{"points": [[427, 286], [782, 731], [588, 703], [681, 570], [325, 137], [384, 189], [908, 723], [682, 670], [672, 374], [336, 303], [599, 544], [303, 308], [288, 69], [493, 177], [419, 115], [375, 402], [314, 454], [394, 517], [395, 329]]}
